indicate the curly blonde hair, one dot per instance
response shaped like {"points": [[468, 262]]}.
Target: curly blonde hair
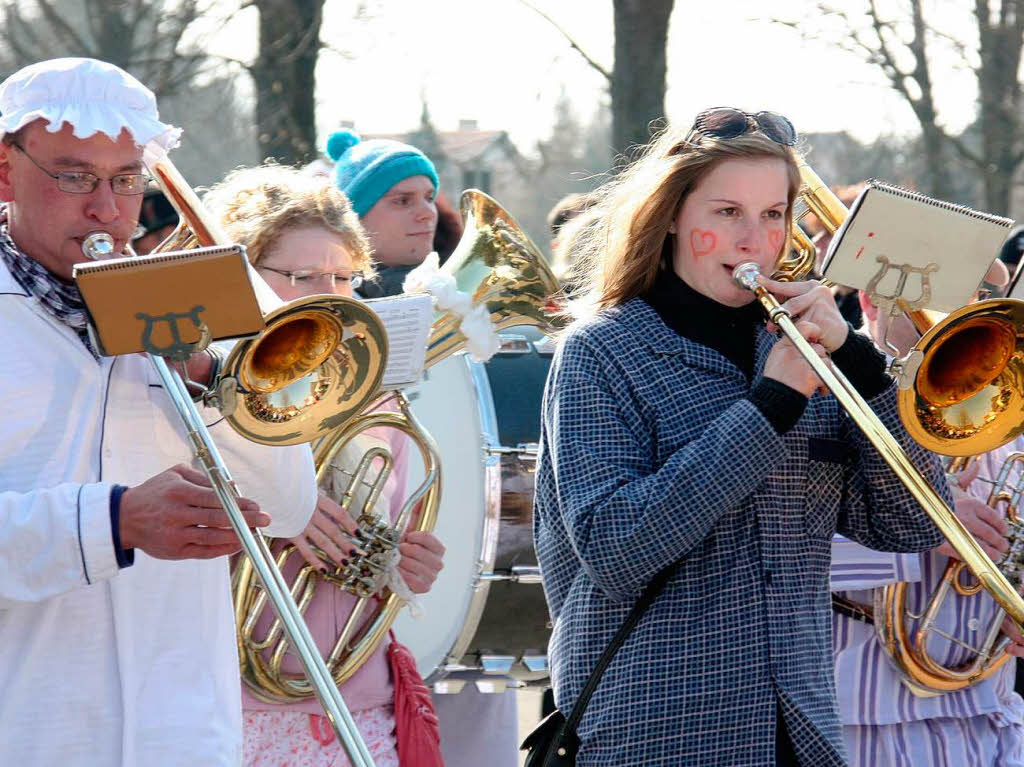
{"points": [[619, 244], [258, 205]]}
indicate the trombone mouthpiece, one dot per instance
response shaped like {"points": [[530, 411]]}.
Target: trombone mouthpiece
{"points": [[98, 245], [745, 275]]}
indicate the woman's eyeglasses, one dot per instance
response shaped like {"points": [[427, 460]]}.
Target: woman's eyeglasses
{"points": [[299, 277], [727, 123]]}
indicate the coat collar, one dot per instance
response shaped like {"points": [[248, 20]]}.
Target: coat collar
{"points": [[643, 322], [9, 285]]}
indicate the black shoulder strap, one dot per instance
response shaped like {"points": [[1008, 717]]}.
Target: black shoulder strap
{"points": [[650, 593]]}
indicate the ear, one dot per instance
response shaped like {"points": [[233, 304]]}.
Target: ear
{"points": [[6, 184]]}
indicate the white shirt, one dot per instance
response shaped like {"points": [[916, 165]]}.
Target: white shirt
{"points": [[103, 666]]}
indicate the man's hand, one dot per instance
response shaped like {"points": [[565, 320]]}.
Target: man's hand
{"points": [[176, 515], [986, 524], [1016, 646]]}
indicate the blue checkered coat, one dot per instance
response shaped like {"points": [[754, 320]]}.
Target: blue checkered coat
{"points": [[650, 453]]}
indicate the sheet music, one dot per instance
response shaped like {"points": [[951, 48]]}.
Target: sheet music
{"points": [[407, 322], [897, 243]]}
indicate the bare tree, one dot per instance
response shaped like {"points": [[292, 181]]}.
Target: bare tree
{"points": [[145, 37], [637, 80], [155, 40], [900, 43], [285, 77]]}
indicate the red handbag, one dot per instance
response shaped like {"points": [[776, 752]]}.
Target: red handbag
{"points": [[416, 727]]}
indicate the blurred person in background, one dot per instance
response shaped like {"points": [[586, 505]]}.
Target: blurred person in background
{"points": [[157, 219], [393, 188]]}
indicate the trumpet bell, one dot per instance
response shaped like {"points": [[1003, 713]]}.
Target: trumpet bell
{"points": [[968, 396], [317, 365]]}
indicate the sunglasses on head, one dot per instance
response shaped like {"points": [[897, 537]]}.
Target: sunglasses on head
{"points": [[726, 123]]}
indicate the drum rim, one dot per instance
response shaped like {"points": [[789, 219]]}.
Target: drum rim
{"points": [[492, 520]]}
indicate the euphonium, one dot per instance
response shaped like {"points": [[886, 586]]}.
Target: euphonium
{"points": [[315, 364], [355, 479], [962, 395], [496, 263], [910, 652], [499, 266]]}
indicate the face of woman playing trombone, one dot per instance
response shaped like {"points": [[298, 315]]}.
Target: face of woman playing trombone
{"points": [[736, 213]]}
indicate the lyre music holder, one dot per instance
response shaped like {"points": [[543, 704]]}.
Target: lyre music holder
{"points": [[169, 305]]}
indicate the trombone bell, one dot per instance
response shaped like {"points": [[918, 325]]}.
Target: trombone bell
{"points": [[968, 397], [318, 364], [290, 350]]}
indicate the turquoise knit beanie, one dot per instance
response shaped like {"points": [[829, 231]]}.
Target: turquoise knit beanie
{"points": [[366, 170]]}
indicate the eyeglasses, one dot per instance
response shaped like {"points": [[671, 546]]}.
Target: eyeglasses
{"points": [[727, 123], [80, 182], [308, 276]]}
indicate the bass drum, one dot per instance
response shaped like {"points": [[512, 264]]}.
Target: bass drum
{"points": [[485, 616]]}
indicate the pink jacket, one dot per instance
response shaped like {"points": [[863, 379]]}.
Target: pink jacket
{"points": [[370, 686]]}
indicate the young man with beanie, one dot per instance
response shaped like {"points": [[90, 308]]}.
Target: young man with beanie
{"points": [[392, 187], [117, 636]]}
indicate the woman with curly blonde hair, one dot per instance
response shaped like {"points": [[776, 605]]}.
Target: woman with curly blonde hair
{"points": [[302, 236]]}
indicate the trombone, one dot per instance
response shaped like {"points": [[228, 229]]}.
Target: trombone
{"points": [[257, 370], [990, 577]]}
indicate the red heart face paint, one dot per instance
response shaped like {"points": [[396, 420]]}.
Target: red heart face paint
{"points": [[702, 242], [775, 240]]}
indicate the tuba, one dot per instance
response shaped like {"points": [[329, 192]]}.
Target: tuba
{"points": [[497, 265], [961, 394], [316, 363]]}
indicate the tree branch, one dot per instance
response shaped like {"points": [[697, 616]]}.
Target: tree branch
{"points": [[57, 21], [569, 38]]}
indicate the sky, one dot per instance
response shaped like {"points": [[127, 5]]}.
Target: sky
{"points": [[502, 64]]}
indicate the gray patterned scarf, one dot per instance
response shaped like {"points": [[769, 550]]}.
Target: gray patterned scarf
{"points": [[61, 299]]}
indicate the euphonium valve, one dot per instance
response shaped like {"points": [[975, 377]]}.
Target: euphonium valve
{"points": [[354, 478]]}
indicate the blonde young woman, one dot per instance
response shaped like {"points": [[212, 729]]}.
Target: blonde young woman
{"points": [[677, 431], [304, 239]]}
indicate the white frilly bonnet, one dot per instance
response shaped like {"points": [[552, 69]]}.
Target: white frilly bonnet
{"points": [[92, 96]]}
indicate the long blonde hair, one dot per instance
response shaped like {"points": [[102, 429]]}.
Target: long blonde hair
{"points": [[258, 205], [618, 245]]}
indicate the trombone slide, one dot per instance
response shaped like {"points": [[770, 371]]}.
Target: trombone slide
{"points": [[892, 452]]}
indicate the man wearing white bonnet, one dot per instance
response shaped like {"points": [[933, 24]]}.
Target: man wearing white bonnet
{"points": [[116, 631]]}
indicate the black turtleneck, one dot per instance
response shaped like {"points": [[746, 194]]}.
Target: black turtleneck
{"points": [[732, 332]]}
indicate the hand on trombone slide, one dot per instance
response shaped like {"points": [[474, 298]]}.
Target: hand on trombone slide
{"points": [[813, 302], [814, 312], [176, 515]]}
